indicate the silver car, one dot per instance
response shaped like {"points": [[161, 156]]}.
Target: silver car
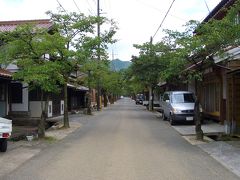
{"points": [[177, 106]]}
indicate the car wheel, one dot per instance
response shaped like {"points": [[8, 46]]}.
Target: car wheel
{"points": [[171, 120], [3, 145]]}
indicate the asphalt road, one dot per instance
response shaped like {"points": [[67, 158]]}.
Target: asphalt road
{"points": [[123, 142]]}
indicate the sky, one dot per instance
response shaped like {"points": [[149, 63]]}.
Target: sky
{"points": [[137, 20]]}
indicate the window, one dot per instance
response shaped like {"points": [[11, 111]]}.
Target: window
{"points": [[165, 97], [35, 95], [16, 93], [2, 92], [183, 98]]}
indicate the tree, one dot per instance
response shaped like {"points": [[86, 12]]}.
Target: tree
{"points": [[147, 68], [70, 43], [200, 43], [72, 32], [74, 43], [26, 47], [100, 71]]}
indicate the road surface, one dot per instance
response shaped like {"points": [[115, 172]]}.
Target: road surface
{"points": [[123, 142]]}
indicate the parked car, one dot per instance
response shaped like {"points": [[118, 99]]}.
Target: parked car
{"points": [[139, 99], [5, 133], [177, 106]]}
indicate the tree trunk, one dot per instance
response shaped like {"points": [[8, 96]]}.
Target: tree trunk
{"points": [[111, 99], [105, 99], [198, 116], [150, 102], [89, 110], [44, 108], [65, 120]]}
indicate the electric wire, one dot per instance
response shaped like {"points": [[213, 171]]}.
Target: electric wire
{"points": [[95, 2], [207, 5], [159, 10], [90, 9], [163, 19], [61, 6], [76, 6]]}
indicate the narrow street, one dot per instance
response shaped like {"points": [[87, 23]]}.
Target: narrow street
{"points": [[123, 142]]}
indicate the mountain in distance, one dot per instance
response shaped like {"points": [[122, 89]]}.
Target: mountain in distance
{"points": [[117, 64]]}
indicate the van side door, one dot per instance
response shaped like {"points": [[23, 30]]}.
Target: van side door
{"points": [[165, 104]]}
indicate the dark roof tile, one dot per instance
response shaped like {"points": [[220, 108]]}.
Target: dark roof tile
{"points": [[11, 25], [5, 73]]}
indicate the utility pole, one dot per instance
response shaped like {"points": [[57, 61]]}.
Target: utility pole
{"points": [[150, 102], [98, 58]]}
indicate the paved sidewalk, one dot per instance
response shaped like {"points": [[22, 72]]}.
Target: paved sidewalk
{"points": [[208, 128], [20, 151], [225, 152]]}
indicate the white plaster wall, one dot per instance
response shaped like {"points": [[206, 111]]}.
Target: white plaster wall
{"points": [[50, 109], [24, 105], [35, 108], [62, 107]]}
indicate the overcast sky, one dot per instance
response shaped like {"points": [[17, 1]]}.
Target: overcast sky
{"points": [[137, 20]]}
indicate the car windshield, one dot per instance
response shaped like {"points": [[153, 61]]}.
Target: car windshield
{"points": [[140, 96], [183, 98]]}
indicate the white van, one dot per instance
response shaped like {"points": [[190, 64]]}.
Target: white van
{"points": [[177, 106]]}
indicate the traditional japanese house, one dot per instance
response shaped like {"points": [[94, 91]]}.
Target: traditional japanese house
{"points": [[25, 104]]}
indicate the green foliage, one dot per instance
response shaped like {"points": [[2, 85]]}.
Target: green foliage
{"points": [[197, 45], [110, 81], [25, 47], [147, 67]]}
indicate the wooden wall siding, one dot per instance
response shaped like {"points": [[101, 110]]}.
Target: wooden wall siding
{"points": [[230, 98], [56, 109], [233, 100], [237, 100], [76, 99], [211, 95]]}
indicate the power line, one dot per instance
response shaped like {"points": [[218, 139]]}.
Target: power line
{"points": [[61, 6], [163, 19], [160, 10], [90, 8], [76, 6], [99, 58], [95, 2], [207, 6]]}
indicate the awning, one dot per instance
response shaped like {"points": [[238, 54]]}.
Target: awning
{"points": [[78, 87], [160, 84], [5, 74]]}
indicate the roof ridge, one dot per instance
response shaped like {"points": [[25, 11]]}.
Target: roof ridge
{"points": [[16, 22]]}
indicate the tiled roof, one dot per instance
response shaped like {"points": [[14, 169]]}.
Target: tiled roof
{"points": [[11, 25], [216, 12], [5, 73]]}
